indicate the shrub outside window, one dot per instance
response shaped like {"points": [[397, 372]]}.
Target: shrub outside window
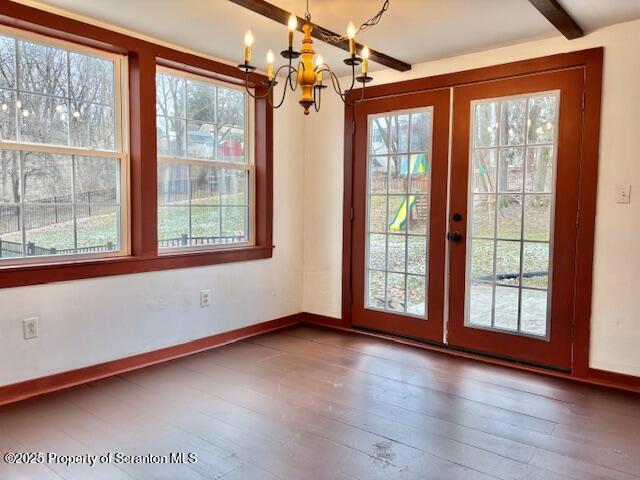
{"points": [[63, 155], [205, 163]]}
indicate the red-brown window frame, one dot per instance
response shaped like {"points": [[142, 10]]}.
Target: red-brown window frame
{"points": [[143, 56]]}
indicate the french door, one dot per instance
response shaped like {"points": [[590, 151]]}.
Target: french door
{"points": [[514, 199], [399, 220], [507, 227]]}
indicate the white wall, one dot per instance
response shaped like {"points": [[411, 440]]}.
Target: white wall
{"points": [[85, 322], [615, 322]]}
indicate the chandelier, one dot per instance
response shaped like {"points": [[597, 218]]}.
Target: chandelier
{"points": [[311, 70]]}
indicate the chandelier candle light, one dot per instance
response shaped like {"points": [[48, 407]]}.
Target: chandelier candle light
{"points": [[309, 73]]}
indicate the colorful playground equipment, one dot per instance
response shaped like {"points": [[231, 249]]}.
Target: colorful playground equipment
{"points": [[418, 166]]}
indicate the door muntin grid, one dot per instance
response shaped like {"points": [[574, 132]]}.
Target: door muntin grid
{"points": [[514, 142], [398, 205]]}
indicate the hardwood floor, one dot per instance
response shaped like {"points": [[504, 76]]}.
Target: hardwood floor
{"points": [[310, 403]]}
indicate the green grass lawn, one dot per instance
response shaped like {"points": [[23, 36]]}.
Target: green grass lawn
{"points": [[173, 221]]}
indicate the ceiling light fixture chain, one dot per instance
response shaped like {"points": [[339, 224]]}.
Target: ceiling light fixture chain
{"points": [[308, 75], [372, 22]]}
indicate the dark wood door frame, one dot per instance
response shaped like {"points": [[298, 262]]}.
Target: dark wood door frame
{"points": [[591, 62]]}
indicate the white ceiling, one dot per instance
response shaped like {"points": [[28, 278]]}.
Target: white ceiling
{"points": [[412, 30]]}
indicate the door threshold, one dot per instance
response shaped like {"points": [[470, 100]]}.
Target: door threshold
{"points": [[446, 348]]}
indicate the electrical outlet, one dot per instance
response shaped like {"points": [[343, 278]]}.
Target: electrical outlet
{"points": [[30, 328], [205, 298]]}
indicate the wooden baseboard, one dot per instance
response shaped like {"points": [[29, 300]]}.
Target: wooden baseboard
{"points": [[316, 319], [38, 386], [600, 378], [615, 378]]}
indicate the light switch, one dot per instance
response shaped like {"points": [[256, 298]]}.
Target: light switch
{"points": [[623, 193]]}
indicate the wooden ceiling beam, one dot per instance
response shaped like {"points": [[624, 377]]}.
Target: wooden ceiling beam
{"points": [[280, 15], [559, 17]]}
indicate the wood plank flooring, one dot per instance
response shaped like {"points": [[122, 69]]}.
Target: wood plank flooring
{"points": [[308, 403]]}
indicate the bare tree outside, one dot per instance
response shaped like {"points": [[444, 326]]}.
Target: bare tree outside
{"points": [[200, 204]]}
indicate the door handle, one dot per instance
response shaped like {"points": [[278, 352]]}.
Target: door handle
{"points": [[454, 236]]}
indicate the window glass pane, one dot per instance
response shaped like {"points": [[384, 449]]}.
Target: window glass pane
{"points": [[399, 174], [47, 178], [510, 170], [205, 225], [483, 216], [535, 271], [201, 138], [534, 312], [10, 189], [512, 122], [539, 169], [43, 119], [508, 263], [171, 136], [480, 305], [506, 308], [482, 260], [170, 95], [49, 229], [201, 102], [484, 171], [378, 213], [379, 136], [97, 180], [92, 126], [43, 69], [378, 174], [486, 124], [173, 225], [377, 251], [395, 292], [97, 227], [419, 170], [7, 62], [10, 234], [418, 214], [231, 107], [416, 295], [420, 131], [92, 79], [537, 217], [7, 114], [205, 185], [542, 118], [417, 255], [173, 183], [231, 144], [522, 189], [509, 216], [234, 221], [396, 253], [233, 187], [376, 289], [399, 140]]}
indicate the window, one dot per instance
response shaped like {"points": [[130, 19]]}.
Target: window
{"points": [[512, 191], [205, 164], [63, 158], [398, 199]]}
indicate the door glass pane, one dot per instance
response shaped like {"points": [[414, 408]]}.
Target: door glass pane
{"points": [[399, 181], [511, 196]]}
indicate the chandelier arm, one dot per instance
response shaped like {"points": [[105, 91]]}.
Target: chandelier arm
{"points": [[284, 94], [316, 105], [336, 86]]}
